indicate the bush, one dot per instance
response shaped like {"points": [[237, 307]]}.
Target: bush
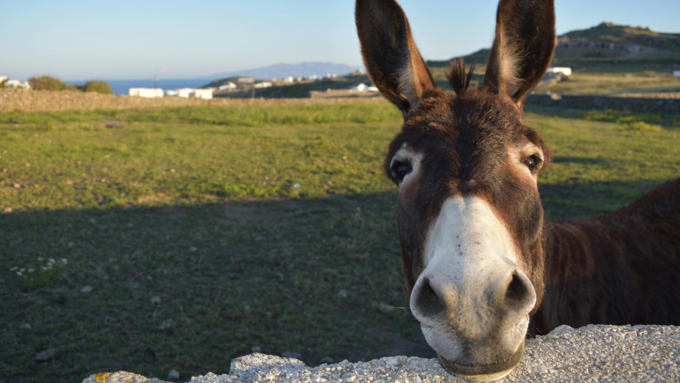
{"points": [[48, 83], [2, 83], [96, 86]]}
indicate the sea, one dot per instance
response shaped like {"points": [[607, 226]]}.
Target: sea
{"points": [[123, 86]]}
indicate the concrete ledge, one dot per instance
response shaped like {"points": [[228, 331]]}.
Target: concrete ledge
{"points": [[591, 353], [636, 104]]}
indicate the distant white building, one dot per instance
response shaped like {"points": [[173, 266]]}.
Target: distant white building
{"points": [[227, 86], [564, 70], [146, 92], [313, 77], [300, 79], [331, 75], [171, 93], [676, 73], [185, 92], [265, 84], [3, 78], [288, 80], [16, 84], [205, 94], [372, 89], [360, 88]]}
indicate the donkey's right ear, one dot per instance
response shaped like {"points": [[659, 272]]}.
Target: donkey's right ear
{"points": [[390, 54]]}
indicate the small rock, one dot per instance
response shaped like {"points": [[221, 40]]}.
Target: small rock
{"points": [[326, 359], [167, 325], [395, 361], [7, 210], [173, 375], [86, 290], [384, 308], [342, 293], [193, 249], [631, 334], [116, 124], [45, 355], [156, 301], [256, 349], [291, 354], [559, 330], [92, 220], [296, 185], [24, 326]]}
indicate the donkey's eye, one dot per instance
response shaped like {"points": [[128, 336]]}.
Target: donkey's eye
{"points": [[400, 170], [531, 162]]}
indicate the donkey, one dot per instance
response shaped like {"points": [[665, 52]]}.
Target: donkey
{"points": [[484, 269]]}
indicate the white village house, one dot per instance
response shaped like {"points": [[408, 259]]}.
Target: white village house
{"points": [[206, 94], [16, 84], [227, 86], [184, 92], [564, 70], [265, 84], [146, 92], [360, 88], [364, 88]]}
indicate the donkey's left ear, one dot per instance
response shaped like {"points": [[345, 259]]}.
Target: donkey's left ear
{"points": [[390, 54], [523, 47]]}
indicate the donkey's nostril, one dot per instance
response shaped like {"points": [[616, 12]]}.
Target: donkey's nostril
{"points": [[517, 291], [427, 301]]}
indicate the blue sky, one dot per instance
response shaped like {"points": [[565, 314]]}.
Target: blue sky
{"points": [[123, 39]]}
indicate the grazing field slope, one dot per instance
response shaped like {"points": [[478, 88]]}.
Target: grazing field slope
{"points": [[205, 232]]}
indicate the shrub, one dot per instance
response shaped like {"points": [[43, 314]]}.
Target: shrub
{"points": [[2, 83], [48, 83], [642, 126], [42, 273], [96, 86]]}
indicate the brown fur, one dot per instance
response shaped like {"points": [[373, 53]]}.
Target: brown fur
{"points": [[616, 269]]}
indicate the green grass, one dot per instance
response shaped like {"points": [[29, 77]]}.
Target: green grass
{"points": [[614, 84], [198, 206]]}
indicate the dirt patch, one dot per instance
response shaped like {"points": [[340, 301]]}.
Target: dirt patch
{"points": [[40, 101]]}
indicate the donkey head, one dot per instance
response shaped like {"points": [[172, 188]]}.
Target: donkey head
{"points": [[470, 217]]}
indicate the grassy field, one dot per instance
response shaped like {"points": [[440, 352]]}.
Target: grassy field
{"points": [[205, 232]]}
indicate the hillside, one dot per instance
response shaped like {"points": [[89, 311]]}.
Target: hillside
{"points": [[625, 34], [606, 47]]}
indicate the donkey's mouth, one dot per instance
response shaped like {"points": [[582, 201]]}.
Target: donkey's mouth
{"points": [[484, 372]]}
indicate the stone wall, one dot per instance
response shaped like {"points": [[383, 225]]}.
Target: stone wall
{"points": [[636, 104], [588, 354]]}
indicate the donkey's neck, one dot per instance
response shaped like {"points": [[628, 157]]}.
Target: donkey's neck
{"points": [[573, 271]]}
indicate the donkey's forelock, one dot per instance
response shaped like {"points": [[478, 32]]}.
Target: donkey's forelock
{"points": [[459, 81]]}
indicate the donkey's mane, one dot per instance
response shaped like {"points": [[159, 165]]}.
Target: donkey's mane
{"points": [[457, 77]]}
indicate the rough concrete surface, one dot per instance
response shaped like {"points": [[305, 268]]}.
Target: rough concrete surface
{"points": [[588, 354]]}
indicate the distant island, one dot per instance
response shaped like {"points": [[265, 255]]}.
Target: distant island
{"points": [[279, 71]]}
